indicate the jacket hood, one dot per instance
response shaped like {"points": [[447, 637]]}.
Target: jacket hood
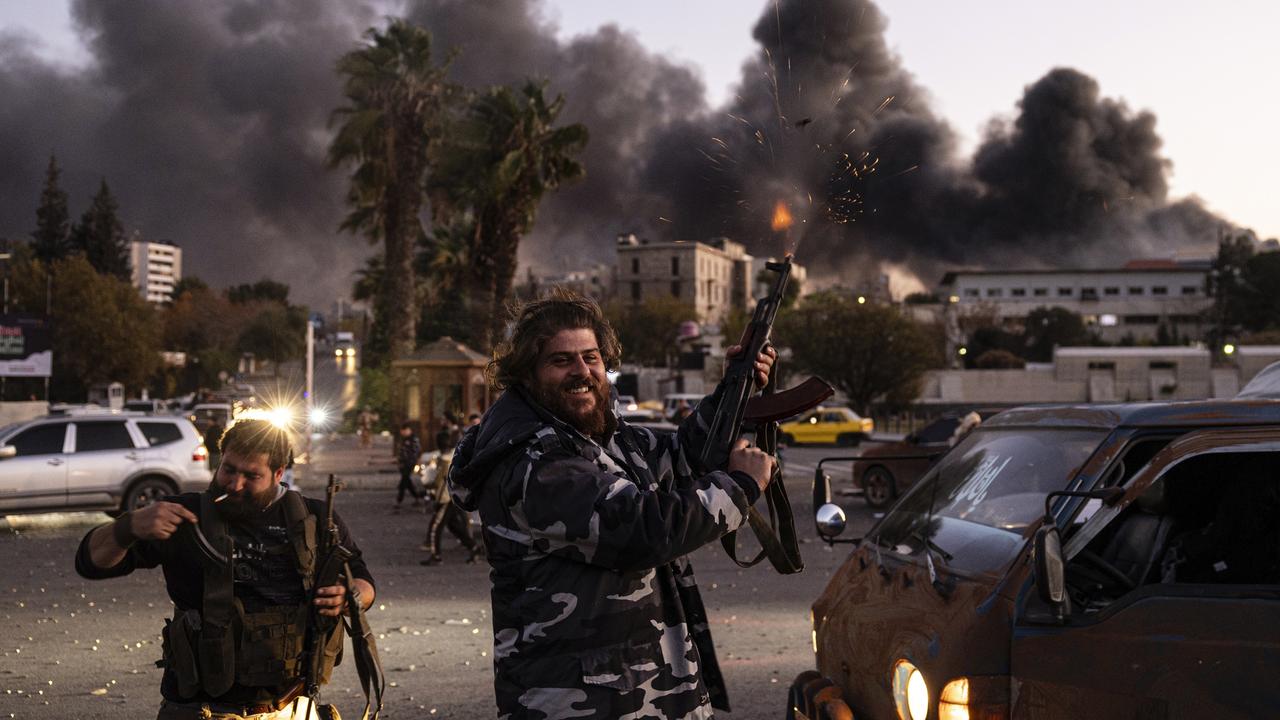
{"points": [[508, 424]]}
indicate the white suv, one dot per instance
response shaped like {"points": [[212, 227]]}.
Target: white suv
{"points": [[99, 461]]}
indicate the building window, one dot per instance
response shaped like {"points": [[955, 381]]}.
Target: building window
{"points": [[635, 291], [1111, 291], [675, 288], [1064, 292], [1018, 292], [994, 292], [1088, 293], [635, 266], [1159, 290], [1141, 319], [1040, 292], [1135, 290], [1190, 289], [971, 292], [675, 267]]}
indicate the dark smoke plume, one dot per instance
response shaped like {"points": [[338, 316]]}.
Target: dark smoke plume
{"points": [[210, 122]]}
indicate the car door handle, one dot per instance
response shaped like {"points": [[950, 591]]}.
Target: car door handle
{"points": [[132, 455], [55, 461]]}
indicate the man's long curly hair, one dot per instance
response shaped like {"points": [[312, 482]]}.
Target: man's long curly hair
{"points": [[537, 321]]}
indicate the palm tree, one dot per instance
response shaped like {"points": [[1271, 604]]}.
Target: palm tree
{"points": [[397, 99], [500, 161]]}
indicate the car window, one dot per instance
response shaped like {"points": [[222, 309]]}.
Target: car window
{"points": [[977, 501], [833, 417], [939, 431], [102, 435], [40, 440], [160, 433]]}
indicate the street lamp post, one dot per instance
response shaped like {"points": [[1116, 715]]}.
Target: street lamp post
{"points": [[309, 393]]}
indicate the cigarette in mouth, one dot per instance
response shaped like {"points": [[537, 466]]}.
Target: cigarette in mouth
{"points": [[222, 497]]}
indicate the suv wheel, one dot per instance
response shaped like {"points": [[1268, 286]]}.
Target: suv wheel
{"points": [[878, 487], [146, 491]]}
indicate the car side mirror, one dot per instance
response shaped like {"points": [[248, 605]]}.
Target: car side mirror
{"points": [[1050, 570], [8, 451], [830, 520]]}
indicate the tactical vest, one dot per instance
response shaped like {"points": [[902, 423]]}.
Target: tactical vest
{"points": [[221, 644]]}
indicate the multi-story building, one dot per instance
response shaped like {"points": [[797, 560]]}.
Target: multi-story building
{"points": [[595, 282], [713, 276], [157, 267], [1133, 301]]}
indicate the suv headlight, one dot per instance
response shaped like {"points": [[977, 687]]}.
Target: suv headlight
{"points": [[910, 692]]}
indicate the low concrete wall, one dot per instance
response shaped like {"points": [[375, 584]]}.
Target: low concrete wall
{"points": [[15, 412]]}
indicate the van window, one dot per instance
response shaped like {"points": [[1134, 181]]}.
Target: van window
{"points": [[105, 435], [160, 433], [975, 504], [40, 440], [1210, 519]]}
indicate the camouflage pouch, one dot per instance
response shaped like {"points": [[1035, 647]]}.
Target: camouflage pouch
{"points": [[179, 640]]}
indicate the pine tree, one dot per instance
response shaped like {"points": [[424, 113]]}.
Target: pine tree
{"points": [[51, 237], [100, 236]]}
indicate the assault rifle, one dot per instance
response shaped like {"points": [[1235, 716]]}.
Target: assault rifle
{"points": [[331, 567], [737, 411]]}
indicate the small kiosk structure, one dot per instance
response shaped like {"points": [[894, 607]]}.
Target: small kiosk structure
{"points": [[441, 378]]}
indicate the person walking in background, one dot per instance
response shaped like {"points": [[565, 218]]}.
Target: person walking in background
{"points": [[364, 426], [447, 515], [407, 459]]}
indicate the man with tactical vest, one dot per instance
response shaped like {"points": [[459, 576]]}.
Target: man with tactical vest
{"points": [[239, 562]]}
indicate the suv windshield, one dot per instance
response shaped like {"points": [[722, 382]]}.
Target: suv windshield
{"points": [[984, 494]]}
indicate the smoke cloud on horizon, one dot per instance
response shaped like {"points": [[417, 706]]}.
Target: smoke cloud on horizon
{"points": [[210, 122]]}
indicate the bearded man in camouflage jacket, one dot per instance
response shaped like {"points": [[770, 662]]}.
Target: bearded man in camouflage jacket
{"points": [[587, 520]]}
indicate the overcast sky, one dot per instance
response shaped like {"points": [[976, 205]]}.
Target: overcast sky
{"points": [[1205, 70]]}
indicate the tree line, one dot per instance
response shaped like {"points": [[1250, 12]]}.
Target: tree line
{"points": [[104, 331]]}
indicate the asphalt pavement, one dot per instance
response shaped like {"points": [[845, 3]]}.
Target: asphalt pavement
{"points": [[72, 648]]}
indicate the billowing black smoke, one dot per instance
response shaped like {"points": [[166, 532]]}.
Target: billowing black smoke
{"points": [[210, 120]]}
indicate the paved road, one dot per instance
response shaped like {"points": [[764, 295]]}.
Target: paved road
{"points": [[71, 648]]}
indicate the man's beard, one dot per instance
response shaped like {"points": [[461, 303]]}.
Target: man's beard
{"points": [[243, 506], [555, 398]]}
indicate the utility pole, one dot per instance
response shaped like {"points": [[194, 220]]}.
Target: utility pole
{"points": [[309, 393]]}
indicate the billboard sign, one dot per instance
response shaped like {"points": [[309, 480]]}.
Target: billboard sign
{"points": [[26, 346]]}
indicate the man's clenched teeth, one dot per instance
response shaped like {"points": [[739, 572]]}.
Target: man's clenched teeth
{"points": [[578, 389]]}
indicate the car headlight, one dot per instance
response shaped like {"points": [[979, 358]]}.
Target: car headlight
{"points": [[953, 704], [910, 692], [351, 352], [337, 353]]}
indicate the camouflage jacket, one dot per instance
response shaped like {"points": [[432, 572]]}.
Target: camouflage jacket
{"points": [[595, 610]]}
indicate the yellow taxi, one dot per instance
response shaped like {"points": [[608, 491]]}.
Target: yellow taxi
{"points": [[827, 425]]}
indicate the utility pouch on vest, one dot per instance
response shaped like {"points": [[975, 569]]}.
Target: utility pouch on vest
{"points": [[180, 637]]}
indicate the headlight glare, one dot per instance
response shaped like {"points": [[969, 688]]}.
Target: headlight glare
{"points": [[910, 692], [953, 704]]}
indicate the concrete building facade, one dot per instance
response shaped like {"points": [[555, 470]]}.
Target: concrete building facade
{"points": [[1129, 302], [157, 267], [713, 276]]}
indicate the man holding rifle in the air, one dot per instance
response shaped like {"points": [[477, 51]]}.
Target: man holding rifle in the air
{"points": [[258, 576], [587, 521]]}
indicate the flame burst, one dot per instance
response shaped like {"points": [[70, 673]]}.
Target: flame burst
{"points": [[781, 217]]}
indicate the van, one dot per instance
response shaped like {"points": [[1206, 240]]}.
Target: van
{"points": [[1105, 561]]}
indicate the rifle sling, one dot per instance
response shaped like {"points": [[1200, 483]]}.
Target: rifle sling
{"points": [[368, 666], [778, 540]]}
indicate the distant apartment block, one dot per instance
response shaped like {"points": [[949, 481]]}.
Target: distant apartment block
{"points": [[1133, 301], [714, 276], [157, 267]]}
